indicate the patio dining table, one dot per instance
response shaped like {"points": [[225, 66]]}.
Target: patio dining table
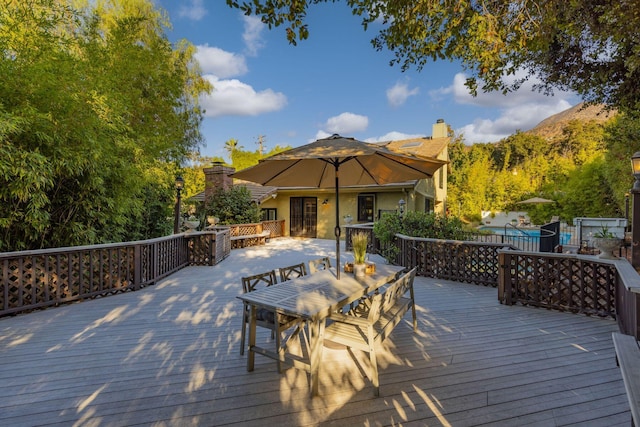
{"points": [[311, 298]]}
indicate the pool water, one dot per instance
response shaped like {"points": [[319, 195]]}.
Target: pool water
{"points": [[565, 238]]}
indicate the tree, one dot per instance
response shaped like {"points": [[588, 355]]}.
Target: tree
{"points": [[588, 46], [231, 146], [233, 206], [97, 111]]}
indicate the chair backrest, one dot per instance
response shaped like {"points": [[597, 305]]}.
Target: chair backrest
{"points": [[251, 283], [293, 271], [319, 264], [384, 301]]}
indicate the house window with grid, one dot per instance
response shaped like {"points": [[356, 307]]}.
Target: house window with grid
{"points": [[269, 214], [366, 204]]}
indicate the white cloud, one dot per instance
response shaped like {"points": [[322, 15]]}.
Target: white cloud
{"points": [[399, 93], [235, 98], [393, 136], [346, 123], [519, 110], [321, 135], [219, 62], [195, 10], [253, 27]]}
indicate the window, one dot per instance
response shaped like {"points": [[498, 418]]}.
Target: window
{"points": [[428, 205], [365, 207], [441, 177], [269, 214]]}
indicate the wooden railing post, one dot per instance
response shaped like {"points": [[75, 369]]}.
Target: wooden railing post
{"points": [[504, 294], [137, 266]]}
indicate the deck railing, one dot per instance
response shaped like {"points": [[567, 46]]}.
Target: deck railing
{"points": [[276, 228], [49, 277], [43, 278], [567, 282], [564, 282]]}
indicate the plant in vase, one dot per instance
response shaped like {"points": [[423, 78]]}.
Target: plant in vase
{"points": [[359, 241], [606, 242], [192, 223]]}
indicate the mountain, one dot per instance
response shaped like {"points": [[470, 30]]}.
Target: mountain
{"points": [[551, 127]]}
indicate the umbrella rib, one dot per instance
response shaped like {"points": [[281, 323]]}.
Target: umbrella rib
{"points": [[404, 164], [279, 173], [367, 171]]}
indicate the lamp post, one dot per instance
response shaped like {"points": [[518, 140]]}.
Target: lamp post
{"points": [[176, 212], [626, 212], [401, 204], [635, 218]]}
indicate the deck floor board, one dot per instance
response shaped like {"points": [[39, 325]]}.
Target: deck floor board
{"points": [[169, 355]]}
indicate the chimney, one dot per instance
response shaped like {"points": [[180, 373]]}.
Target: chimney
{"points": [[439, 129], [217, 176]]}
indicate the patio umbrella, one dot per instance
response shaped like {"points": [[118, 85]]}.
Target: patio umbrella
{"points": [[535, 200], [339, 161]]}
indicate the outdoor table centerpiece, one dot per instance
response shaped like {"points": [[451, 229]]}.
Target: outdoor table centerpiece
{"points": [[359, 241]]}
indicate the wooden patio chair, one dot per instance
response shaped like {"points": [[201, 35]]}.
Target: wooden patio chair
{"points": [[292, 271], [366, 331], [319, 265], [277, 323]]}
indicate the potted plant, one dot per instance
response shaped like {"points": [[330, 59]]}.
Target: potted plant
{"points": [[606, 242], [192, 223], [359, 241]]}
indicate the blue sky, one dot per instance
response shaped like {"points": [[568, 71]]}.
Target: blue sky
{"points": [[333, 82]]}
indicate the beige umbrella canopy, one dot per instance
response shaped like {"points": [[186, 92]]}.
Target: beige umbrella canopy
{"points": [[339, 161], [535, 200]]}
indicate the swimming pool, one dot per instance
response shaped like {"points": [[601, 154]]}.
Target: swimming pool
{"points": [[523, 233]]}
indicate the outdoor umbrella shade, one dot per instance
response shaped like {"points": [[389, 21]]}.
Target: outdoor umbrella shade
{"points": [[535, 200], [339, 161]]}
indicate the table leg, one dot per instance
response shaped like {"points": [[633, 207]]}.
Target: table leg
{"points": [[251, 356], [316, 338]]}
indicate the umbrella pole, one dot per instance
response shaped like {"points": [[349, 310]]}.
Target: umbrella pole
{"points": [[336, 230]]}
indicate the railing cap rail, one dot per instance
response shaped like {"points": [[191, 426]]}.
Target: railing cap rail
{"points": [[68, 249]]}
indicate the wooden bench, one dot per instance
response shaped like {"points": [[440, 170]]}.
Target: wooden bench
{"points": [[628, 358], [366, 329], [250, 239]]}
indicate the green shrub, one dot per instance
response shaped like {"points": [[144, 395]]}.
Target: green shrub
{"points": [[415, 224], [233, 206]]}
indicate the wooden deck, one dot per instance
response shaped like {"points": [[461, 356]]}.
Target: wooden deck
{"points": [[168, 355]]}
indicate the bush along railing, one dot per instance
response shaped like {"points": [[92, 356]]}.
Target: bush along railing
{"points": [[49, 277], [456, 260], [575, 283]]}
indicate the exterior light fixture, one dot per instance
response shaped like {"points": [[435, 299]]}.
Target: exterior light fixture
{"points": [[401, 204], [179, 184], [325, 202], [635, 167]]}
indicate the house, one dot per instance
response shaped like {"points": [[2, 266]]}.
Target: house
{"points": [[310, 212]]}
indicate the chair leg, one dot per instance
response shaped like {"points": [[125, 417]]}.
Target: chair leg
{"points": [[415, 319], [244, 331], [374, 372], [279, 350]]}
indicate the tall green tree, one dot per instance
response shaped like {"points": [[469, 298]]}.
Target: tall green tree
{"points": [[231, 146], [588, 46], [97, 110]]}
